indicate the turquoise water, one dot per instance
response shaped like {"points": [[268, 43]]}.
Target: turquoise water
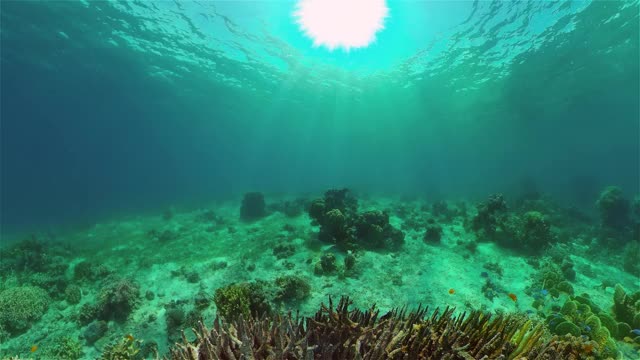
{"points": [[117, 112]]}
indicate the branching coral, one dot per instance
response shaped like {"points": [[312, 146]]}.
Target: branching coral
{"points": [[342, 333], [22, 306]]}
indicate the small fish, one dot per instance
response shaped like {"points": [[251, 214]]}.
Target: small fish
{"points": [[484, 274], [451, 291], [129, 337], [513, 297], [529, 311], [587, 328], [34, 348], [544, 292], [636, 332]]}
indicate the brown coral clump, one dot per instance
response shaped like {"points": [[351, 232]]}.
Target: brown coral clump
{"points": [[343, 333]]}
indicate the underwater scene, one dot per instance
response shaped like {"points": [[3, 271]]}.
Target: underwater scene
{"points": [[319, 179]]}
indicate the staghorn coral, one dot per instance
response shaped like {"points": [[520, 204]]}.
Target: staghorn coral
{"points": [[343, 333]]}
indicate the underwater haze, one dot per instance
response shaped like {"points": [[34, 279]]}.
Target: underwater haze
{"points": [[175, 149], [112, 107]]}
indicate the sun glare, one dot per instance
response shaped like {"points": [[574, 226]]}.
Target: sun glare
{"points": [[343, 24]]}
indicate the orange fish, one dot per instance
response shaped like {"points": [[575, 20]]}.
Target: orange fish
{"points": [[34, 348], [130, 337], [513, 297], [588, 348], [451, 291]]}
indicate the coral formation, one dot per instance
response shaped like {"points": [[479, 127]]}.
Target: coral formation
{"points": [[73, 294], [529, 232], [614, 208], [326, 265], [631, 258], [374, 231], [579, 317], [340, 223], [290, 208], [244, 299], [343, 333], [253, 206], [126, 349], [95, 331], [21, 306], [433, 233], [292, 288], [117, 299], [551, 279], [626, 308], [66, 348]]}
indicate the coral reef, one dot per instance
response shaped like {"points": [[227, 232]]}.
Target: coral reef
{"points": [[64, 347], [244, 299], [292, 288], [433, 233], [343, 333], [126, 349], [290, 208], [117, 299], [579, 317], [549, 279], [614, 209], [253, 206], [626, 309], [340, 223], [21, 306], [374, 231], [631, 258], [326, 265], [73, 294], [529, 232], [94, 331]]}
